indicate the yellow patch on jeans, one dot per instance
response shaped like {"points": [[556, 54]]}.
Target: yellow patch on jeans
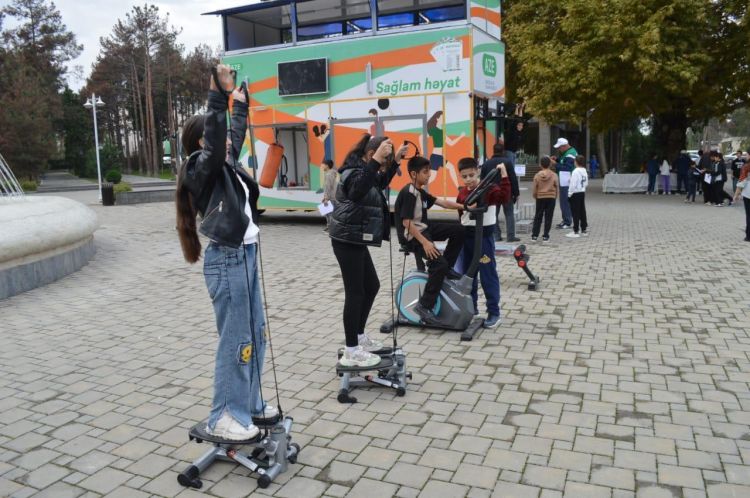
{"points": [[245, 353], [484, 259]]}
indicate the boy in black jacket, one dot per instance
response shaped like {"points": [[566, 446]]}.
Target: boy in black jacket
{"points": [[418, 234]]}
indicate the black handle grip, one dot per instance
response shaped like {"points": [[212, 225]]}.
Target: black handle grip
{"points": [[243, 88]]}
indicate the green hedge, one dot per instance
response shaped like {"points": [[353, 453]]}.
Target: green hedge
{"points": [[113, 176], [29, 185], [123, 187]]}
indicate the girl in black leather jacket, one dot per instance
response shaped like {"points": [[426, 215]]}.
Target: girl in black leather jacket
{"points": [[211, 183], [361, 218]]}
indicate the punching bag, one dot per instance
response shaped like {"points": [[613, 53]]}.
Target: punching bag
{"points": [[271, 165]]}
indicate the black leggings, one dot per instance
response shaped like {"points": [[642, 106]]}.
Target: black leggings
{"points": [[361, 285]]}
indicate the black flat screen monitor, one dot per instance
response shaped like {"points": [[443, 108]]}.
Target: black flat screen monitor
{"points": [[303, 77]]}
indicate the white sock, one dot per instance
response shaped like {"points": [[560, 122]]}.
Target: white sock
{"points": [[361, 337], [350, 349]]}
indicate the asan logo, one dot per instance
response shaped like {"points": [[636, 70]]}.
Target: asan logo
{"points": [[448, 53], [489, 65]]}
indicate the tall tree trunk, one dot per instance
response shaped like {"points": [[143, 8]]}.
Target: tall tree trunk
{"points": [[170, 113], [669, 133], [603, 164], [118, 130], [139, 119], [153, 157], [126, 134]]}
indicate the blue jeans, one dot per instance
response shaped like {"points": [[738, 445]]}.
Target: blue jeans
{"points": [[567, 214], [651, 182], [487, 270], [234, 289]]}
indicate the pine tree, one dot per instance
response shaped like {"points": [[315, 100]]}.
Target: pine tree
{"points": [[32, 67]]}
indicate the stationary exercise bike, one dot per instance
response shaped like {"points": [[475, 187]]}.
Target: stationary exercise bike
{"points": [[454, 307]]}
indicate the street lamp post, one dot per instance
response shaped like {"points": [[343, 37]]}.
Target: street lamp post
{"points": [[92, 103]]}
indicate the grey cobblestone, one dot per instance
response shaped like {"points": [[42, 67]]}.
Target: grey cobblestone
{"points": [[618, 378]]}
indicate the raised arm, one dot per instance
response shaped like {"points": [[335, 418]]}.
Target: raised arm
{"points": [[211, 157], [239, 122]]}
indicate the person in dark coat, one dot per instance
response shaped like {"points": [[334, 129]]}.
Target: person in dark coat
{"points": [[499, 155], [652, 168], [682, 165]]}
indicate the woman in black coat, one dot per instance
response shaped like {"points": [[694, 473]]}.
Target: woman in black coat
{"points": [[361, 218]]}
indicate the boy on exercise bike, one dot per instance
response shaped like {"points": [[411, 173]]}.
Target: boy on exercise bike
{"points": [[418, 235]]}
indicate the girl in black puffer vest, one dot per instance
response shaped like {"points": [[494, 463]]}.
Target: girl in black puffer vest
{"points": [[360, 219]]}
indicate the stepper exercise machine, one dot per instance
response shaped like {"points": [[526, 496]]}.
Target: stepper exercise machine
{"points": [[271, 450], [390, 372]]}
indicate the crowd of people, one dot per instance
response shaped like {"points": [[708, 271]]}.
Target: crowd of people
{"points": [[708, 176]]}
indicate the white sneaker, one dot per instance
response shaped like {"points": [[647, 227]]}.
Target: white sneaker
{"points": [[369, 344], [268, 412], [585, 233], [359, 358], [228, 428], [572, 235]]}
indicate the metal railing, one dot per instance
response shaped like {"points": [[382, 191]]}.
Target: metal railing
{"points": [[9, 186]]}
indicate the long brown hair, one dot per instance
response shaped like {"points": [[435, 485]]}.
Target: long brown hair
{"points": [[432, 122], [192, 132]]}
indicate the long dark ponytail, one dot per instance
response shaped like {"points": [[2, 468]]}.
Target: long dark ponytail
{"points": [[192, 132]]}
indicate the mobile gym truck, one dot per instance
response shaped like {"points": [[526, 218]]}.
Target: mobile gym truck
{"points": [[322, 72]]}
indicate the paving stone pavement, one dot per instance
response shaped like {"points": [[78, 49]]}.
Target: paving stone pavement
{"points": [[626, 375]]}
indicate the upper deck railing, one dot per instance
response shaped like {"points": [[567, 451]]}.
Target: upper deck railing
{"points": [[277, 23]]}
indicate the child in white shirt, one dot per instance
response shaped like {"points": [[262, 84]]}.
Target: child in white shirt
{"points": [[577, 194]]}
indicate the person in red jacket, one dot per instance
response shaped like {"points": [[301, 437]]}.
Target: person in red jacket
{"points": [[496, 196]]}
